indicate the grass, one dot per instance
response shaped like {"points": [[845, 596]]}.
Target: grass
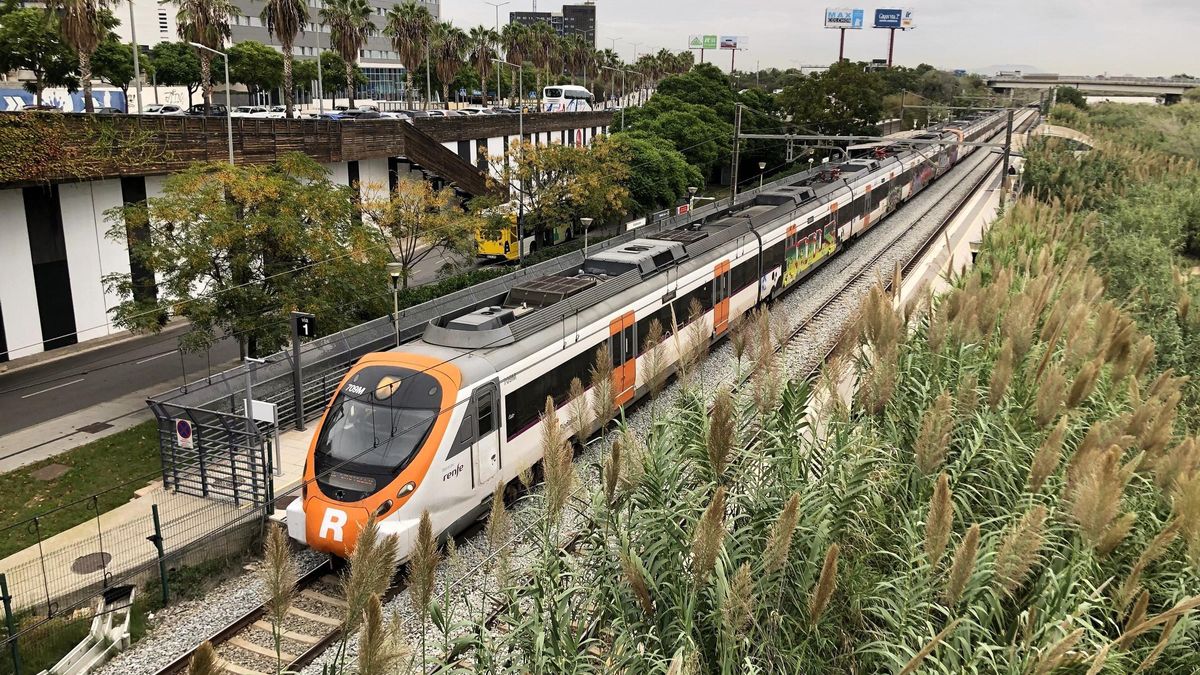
{"points": [[94, 467]]}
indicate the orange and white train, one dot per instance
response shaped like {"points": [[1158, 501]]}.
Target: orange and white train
{"points": [[436, 424]]}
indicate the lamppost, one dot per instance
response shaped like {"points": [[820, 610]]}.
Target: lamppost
{"points": [[762, 169], [521, 134], [137, 68], [498, 5], [320, 77], [642, 88], [614, 50], [586, 222], [395, 271], [622, 70], [635, 46], [228, 107], [692, 198]]}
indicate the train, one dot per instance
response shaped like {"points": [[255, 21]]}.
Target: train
{"points": [[438, 423]]}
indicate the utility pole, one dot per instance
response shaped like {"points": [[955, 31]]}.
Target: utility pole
{"points": [[1007, 150], [737, 148], [842, 45], [137, 68], [498, 5], [320, 76]]}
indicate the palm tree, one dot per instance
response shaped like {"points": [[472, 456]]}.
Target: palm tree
{"points": [[608, 59], [578, 55], [541, 50], [205, 22], [515, 38], [82, 25], [449, 48], [483, 49], [349, 23], [410, 26], [284, 20]]}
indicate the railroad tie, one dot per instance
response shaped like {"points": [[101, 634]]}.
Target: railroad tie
{"points": [[291, 635], [227, 667], [249, 646], [313, 617], [321, 597]]}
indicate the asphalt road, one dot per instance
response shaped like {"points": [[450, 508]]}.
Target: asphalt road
{"points": [[73, 383]]}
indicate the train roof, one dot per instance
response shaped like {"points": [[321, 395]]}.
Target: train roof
{"points": [[495, 328]]}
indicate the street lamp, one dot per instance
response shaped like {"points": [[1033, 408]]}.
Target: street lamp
{"points": [[228, 106], [586, 222], [395, 270], [622, 92], [762, 169], [498, 5], [520, 149], [320, 77]]}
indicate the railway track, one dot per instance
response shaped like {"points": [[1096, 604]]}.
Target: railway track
{"points": [[976, 176], [246, 645]]}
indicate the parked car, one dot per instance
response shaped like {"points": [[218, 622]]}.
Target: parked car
{"points": [[471, 112], [214, 110], [45, 107], [444, 113], [275, 112], [361, 114], [105, 110], [249, 111], [172, 110], [397, 115]]}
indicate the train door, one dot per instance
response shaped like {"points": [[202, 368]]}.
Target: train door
{"points": [[867, 209], [487, 436], [622, 346], [721, 293]]}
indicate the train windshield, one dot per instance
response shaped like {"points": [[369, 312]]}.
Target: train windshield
{"points": [[374, 428]]}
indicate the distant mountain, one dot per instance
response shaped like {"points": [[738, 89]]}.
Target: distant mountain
{"points": [[992, 70]]}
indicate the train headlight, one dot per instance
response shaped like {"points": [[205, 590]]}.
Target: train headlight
{"points": [[406, 490]]}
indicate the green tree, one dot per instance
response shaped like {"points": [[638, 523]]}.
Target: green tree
{"points": [[176, 64], [514, 38], [83, 24], [112, 62], [255, 65], [409, 26], [1071, 96], [31, 42], [698, 131], [449, 48], [205, 22], [482, 44], [285, 19], [658, 173], [562, 183], [542, 46], [417, 220], [262, 240], [349, 24], [842, 100]]}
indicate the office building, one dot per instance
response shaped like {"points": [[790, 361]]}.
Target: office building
{"points": [[572, 20]]}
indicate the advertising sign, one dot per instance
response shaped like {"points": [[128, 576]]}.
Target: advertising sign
{"points": [[731, 41], [702, 42], [888, 18], [843, 17], [901, 18]]}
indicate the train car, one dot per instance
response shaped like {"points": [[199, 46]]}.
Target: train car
{"points": [[435, 425]]}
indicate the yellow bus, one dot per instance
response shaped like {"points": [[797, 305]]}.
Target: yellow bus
{"points": [[497, 240]]}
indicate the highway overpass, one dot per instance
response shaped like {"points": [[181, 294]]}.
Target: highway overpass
{"points": [[1169, 89]]}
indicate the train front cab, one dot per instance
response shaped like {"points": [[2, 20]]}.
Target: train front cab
{"points": [[374, 449]]}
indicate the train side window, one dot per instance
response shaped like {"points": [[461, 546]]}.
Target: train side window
{"points": [[466, 436], [486, 405]]}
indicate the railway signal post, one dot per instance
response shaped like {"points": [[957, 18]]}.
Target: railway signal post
{"points": [[303, 325]]}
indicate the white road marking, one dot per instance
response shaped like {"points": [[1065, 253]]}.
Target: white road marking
{"points": [[57, 386], [159, 356]]}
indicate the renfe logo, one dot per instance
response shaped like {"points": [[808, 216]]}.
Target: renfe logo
{"points": [[333, 522]]}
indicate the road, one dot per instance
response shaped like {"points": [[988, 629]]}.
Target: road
{"points": [[73, 383]]}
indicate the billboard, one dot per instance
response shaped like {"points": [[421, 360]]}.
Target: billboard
{"points": [[900, 18], [843, 17], [733, 42], [702, 42]]}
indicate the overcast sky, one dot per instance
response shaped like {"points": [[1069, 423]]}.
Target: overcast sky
{"points": [[1143, 37]]}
